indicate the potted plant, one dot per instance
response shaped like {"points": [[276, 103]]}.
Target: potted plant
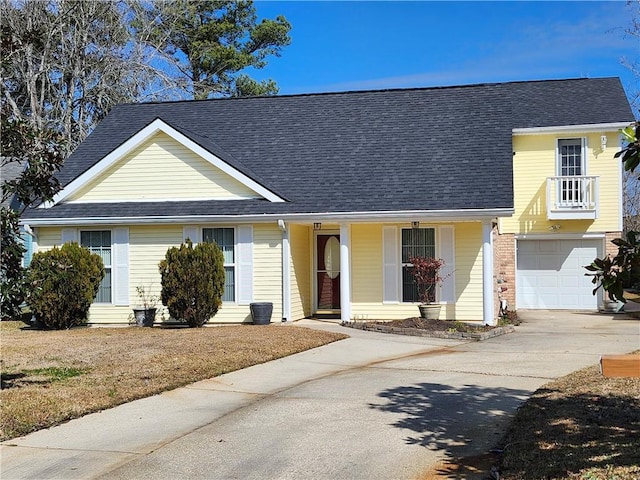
{"points": [[426, 275], [145, 312]]}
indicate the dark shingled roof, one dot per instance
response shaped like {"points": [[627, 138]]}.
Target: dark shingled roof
{"points": [[10, 169], [445, 148]]}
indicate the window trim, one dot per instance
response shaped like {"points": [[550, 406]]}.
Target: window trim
{"points": [[235, 258], [583, 156], [402, 265], [110, 267]]}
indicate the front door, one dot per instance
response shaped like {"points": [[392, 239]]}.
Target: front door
{"points": [[328, 272]]}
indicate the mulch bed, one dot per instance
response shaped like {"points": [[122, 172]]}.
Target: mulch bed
{"points": [[421, 327]]}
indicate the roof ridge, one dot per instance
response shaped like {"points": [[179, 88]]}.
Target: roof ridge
{"points": [[350, 92]]}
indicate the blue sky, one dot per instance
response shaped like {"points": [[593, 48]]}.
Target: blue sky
{"points": [[357, 45]]}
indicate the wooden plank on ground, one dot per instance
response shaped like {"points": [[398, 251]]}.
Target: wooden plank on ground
{"points": [[620, 365]]}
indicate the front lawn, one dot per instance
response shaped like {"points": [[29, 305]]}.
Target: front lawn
{"points": [[580, 427], [49, 377]]}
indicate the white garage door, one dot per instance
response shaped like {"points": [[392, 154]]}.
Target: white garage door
{"points": [[550, 274]]}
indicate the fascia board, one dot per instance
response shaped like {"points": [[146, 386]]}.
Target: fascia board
{"points": [[594, 127], [334, 217], [138, 139]]}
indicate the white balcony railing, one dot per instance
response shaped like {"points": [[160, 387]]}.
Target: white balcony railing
{"points": [[572, 197]]}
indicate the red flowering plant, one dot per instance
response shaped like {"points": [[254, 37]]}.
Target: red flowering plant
{"points": [[426, 275]]}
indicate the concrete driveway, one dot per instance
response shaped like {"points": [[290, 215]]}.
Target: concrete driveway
{"points": [[374, 406]]}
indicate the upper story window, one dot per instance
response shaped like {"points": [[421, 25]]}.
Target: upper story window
{"points": [[225, 238], [416, 242], [99, 241], [571, 158]]}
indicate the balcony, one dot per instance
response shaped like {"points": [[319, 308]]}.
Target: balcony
{"points": [[572, 198]]}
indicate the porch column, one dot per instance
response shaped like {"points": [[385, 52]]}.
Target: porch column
{"points": [[488, 316], [286, 272], [345, 273]]}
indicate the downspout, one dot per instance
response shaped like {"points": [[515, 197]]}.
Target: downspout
{"points": [[286, 272]]}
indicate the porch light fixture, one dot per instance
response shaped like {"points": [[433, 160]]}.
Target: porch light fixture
{"points": [[317, 226], [415, 224]]}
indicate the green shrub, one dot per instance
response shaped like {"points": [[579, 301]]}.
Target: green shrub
{"points": [[62, 284], [193, 282]]}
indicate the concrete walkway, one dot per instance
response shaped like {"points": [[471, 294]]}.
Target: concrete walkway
{"points": [[372, 406]]}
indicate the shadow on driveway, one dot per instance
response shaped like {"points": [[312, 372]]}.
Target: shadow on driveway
{"points": [[458, 420]]}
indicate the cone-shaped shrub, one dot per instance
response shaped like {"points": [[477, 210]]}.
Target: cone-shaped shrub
{"points": [[62, 283], [193, 282]]}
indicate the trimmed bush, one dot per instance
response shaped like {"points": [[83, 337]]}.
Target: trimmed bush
{"points": [[62, 284], [193, 282]]}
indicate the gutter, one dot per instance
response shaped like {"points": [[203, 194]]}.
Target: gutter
{"points": [[335, 217], [592, 127]]}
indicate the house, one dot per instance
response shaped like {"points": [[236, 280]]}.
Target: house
{"points": [[318, 201], [11, 169]]}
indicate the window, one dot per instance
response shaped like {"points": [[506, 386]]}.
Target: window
{"points": [[571, 164], [570, 152], [225, 238], [99, 241], [416, 242], [27, 243]]}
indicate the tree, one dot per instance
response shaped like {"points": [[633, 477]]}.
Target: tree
{"points": [[62, 284], [39, 156], [623, 270], [67, 62], [193, 282], [211, 41], [630, 182]]}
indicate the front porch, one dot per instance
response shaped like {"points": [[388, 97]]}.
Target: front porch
{"points": [[355, 270]]}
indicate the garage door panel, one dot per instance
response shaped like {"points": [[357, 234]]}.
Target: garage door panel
{"points": [[550, 263], [550, 274], [550, 246]]}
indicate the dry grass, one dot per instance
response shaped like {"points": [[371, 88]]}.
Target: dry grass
{"points": [[580, 427], [49, 377]]}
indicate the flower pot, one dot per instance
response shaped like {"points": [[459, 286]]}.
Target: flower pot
{"points": [[430, 311], [145, 317], [261, 312]]}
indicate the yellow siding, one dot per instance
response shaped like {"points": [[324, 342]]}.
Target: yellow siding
{"points": [[367, 274], [300, 244], [147, 247], [267, 267], [162, 169], [468, 273], [366, 264], [47, 238], [535, 160]]}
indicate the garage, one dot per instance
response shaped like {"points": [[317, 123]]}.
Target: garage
{"points": [[550, 274]]}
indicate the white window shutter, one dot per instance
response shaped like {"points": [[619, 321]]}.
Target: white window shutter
{"points": [[69, 235], [390, 265], [120, 266], [448, 254], [244, 264], [190, 232]]}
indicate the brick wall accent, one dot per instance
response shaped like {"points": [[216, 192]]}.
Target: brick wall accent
{"points": [[610, 248], [504, 268]]}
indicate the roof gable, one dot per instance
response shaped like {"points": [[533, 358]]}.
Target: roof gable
{"points": [[162, 169], [158, 137]]}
